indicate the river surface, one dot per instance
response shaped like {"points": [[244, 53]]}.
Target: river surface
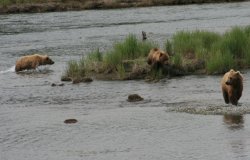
{"points": [[179, 119]]}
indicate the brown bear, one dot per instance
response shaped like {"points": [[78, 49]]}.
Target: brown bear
{"points": [[157, 58], [32, 62], [232, 86]]}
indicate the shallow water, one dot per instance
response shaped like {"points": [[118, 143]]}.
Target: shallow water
{"points": [[32, 112]]}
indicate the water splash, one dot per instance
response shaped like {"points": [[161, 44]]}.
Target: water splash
{"points": [[12, 69]]}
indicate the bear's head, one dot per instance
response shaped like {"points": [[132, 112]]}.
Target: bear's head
{"points": [[234, 78], [163, 58], [47, 60]]}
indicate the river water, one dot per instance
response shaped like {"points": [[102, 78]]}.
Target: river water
{"points": [[179, 119]]}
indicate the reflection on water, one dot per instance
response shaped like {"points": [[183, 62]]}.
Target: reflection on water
{"points": [[234, 121], [236, 141]]}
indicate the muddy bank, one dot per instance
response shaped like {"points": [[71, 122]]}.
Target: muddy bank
{"points": [[74, 5]]}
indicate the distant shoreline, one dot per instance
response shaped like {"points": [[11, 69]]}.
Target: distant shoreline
{"points": [[76, 5]]}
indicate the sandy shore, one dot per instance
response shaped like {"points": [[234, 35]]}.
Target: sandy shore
{"points": [[74, 5]]}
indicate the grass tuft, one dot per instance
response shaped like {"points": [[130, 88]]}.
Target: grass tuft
{"points": [[75, 70], [219, 52]]}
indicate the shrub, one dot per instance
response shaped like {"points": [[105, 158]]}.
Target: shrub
{"points": [[169, 47], [219, 62], [220, 52], [129, 49], [75, 69], [195, 42], [236, 42], [93, 61]]}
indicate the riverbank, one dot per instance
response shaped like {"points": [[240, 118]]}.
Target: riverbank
{"points": [[36, 6]]}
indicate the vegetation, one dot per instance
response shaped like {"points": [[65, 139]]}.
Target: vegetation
{"points": [[75, 70], [218, 52], [125, 57], [191, 51]]}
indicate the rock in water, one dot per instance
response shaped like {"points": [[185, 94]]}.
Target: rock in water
{"points": [[69, 121], [134, 98]]}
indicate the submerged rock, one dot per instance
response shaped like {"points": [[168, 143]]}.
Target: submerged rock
{"points": [[61, 84], [134, 98], [69, 121], [53, 84]]}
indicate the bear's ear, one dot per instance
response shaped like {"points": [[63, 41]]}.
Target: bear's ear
{"points": [[231, 70], [238, 72]]}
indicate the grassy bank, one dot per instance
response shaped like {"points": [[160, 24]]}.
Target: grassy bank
{"points": [[30, 6], [214, 52], [192, 52]]}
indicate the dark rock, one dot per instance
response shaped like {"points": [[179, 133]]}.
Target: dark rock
{"points": [[65, 78], [69, 121], [79, 80], [87, 79], [76, 81], [134, 98], [53, 85], [172, 70]]}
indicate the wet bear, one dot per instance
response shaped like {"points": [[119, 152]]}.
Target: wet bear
{"points": [[157, 58], [232, 86], [32, 62]]}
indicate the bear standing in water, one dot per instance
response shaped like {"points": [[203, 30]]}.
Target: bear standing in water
{"points": [[232, 86], [32, 62]]}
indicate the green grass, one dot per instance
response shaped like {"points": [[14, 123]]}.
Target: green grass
{"points": [[93, 60], [220, 63], [236, 42], [169, 47], [197, 43], [75, 69], [219, 51], [129, 49], [112, 60]]}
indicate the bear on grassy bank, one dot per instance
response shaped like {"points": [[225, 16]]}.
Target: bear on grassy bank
{"points": [[232, 86], [32, 62], [157, 58]]}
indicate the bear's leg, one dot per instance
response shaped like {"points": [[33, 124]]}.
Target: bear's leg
{"points": [[226, 98], [233, 100], [34, 65]]}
